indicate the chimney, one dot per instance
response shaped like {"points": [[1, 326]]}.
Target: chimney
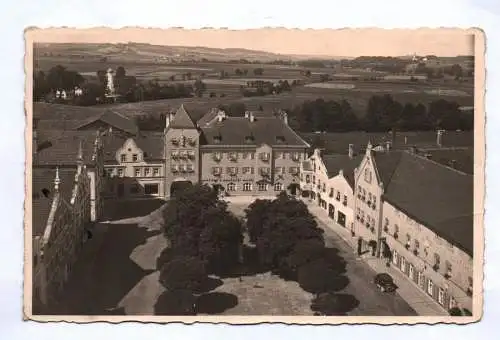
{"points": [[453, 164], [221, 115], [247, 114], [284, 115], [388, 145], [351, 151], [413, 149], [406, 140], [251, 117], [167, 120], [439, 138]]}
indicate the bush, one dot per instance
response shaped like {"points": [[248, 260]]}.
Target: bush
{"points": [[183, 273], [455, 311]]}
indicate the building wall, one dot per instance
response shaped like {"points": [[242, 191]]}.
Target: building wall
{"points": [[180, 142], [57, 250], [330, 192], [367, 208], [240, 169], [416, 245], [132, 175]]}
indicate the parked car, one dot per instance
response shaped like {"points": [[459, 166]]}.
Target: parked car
{"points": [[385, 282]]}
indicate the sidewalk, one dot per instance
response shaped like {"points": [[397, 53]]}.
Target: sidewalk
{"points": [[408, 290]]}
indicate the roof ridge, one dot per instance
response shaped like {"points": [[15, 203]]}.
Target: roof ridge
{"points": [[438, 164]]}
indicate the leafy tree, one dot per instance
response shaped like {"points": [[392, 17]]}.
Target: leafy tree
{"points": [[258, 71], [198, 224], [221, 240], [59, 77], [120, 72], [317, 277], [256, 214], [183, 273], [199, 87]]}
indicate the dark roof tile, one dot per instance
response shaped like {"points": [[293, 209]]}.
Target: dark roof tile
{"points": [[335, 163], [437, 196], [182, 120], [43, 181], [235, 130]]}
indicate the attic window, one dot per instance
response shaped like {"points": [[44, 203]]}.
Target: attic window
{"points": [[217, 139], [145, 155], [249, 139], [280, 139]]}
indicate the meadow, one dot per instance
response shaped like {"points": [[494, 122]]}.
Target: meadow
{"points": [[143, 63]]}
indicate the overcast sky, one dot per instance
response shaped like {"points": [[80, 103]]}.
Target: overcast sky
{"points": [[343, 42]]}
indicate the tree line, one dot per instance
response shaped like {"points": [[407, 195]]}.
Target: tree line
{"points": [[383, 113]]}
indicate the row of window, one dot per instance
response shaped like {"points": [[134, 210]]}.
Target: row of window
{"points": [[138, 172], [251, 170], [135, 157], [264, 156], [249, 187], [416, 248], [366, 219], [182, 168], [184, 154], [426, 284]]}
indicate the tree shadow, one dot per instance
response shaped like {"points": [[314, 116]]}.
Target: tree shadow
{"points": [[122, 209], [99, 280], [215, 303], [208, 284], [175, 303], [248, 267], [334, 304], [339, 283], [335, 261]]}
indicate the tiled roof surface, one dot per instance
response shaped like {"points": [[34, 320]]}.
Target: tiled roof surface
{"points": [[335, 163], [234, 130], [437, 196], [463, 158], [339, 142], [44, 179], [150, 142], [63, 147], [114, 119], [182, 120]]}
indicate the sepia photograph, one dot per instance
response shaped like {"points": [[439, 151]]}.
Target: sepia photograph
{"points": [[322, 177]]}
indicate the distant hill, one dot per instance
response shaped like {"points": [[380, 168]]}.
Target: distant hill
{"points": [[148, 51]]}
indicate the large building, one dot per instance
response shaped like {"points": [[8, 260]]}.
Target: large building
{"points": [[403, 206], [251, 155]]}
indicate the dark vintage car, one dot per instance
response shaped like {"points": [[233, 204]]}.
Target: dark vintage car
{"points": [[385, 282]]}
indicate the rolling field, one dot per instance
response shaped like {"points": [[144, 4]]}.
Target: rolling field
{"points": [[142, 62]]}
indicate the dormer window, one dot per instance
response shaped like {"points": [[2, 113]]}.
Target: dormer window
{"points": [[217, 139], [280, 139], [249, 139]]}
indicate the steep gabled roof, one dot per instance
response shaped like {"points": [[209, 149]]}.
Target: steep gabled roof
{"points": [[114, 119], [43, 179], [335, 163], [61, 147], [182, 120]]}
